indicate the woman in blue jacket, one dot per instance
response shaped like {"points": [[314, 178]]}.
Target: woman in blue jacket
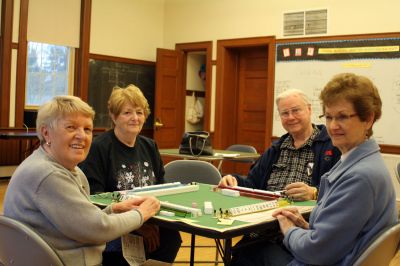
{"points": [[356, 199]]}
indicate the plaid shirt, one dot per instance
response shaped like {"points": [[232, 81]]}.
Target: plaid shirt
{"points": [[293, 165]]}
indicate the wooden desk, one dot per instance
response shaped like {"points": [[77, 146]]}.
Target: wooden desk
{"points": [[15, 146], [18, 143], [207, 225], [18, 135], [21, 135]]}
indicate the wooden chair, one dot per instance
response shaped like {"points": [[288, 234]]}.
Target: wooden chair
{"points": [[20, 245]]}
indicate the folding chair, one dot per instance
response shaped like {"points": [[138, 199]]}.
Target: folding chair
{"points": [[240, 148], [20, 245], [382, 249], [186, 171]]}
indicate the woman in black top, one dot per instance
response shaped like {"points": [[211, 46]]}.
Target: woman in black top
{"points": [[121, 159]]}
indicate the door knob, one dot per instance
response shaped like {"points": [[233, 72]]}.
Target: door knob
{"points": [[158, 124]]}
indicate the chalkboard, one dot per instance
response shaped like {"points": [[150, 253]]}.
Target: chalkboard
{"points": [[105, 74], [310, 65]]}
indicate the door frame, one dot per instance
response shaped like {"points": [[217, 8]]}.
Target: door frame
{"points": [[197, 47], [227, 85]]}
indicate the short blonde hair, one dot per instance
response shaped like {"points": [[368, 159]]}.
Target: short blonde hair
{"points": [[292, 92], [58, 107], [131, 94]]}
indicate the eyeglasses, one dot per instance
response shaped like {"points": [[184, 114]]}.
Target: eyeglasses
{"points": [[296, 111], [341, 119]]}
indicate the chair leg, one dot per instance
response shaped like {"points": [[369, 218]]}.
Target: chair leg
{"points": [[219, 249], [216, 256], [219, 167]]}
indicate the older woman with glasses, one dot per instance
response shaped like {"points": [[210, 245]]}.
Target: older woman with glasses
{"points": [[356, 199], [50, 194]]}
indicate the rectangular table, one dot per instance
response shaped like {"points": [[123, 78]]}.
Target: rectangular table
{"points": [[207, 225], [219, 155]]}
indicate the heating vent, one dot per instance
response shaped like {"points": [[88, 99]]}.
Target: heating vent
{"points": [[308, 22], [293, 24]]}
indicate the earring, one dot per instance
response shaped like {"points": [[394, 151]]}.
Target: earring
{"points": [[48, 143]]}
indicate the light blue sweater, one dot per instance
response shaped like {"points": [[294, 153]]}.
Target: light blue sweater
{"points": [[355, 202], [55, 203]]}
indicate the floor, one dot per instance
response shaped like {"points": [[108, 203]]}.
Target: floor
{"points": [[203, 256]]}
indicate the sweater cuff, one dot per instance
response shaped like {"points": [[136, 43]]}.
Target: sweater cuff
{"points": [[108, 209], [140, 215], [287, 237]]}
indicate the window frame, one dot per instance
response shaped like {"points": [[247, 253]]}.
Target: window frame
{"points": [[70, 75]]}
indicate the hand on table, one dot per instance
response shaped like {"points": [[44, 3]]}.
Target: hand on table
{"points": [[300, 191], [148, 206], [228, 181], [288, 218]]}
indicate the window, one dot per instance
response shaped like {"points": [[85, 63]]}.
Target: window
{"points": [[48, 73]]}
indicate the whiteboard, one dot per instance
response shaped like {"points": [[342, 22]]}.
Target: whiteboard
{"points": [[312, 75]]}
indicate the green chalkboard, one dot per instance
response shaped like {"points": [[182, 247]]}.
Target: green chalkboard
{"points": [[104, 74]]}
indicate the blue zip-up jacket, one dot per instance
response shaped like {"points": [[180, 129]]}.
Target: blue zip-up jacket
{"points": [[356, 201], [325, 156]]}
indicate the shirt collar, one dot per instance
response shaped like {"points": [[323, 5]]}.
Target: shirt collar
{"points": [[288, 142]]}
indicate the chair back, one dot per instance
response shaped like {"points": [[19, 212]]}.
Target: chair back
{"points": [[397, 171], [381, 249], [186, 171], [20, 245], [243, 148]]}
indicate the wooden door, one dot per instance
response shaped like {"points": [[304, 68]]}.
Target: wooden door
{"points": [[251, 102], [169, 99], [244, 95], [252, 97]]}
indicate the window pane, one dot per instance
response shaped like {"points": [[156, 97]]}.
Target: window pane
{"points": [[47, 72]]}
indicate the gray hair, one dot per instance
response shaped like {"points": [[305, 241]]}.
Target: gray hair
{"points": [[50, 112], [292, 92]]}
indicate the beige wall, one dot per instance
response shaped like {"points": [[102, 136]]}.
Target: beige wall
{"points": [[127, 28], [135, 28], [204, 20]]}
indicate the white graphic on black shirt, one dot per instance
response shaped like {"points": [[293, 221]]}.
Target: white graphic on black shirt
{"points": [[139, 174]]}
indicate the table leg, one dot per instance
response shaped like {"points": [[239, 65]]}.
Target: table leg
{"points": [[192, 246], [227, 251], [220, 165]]}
